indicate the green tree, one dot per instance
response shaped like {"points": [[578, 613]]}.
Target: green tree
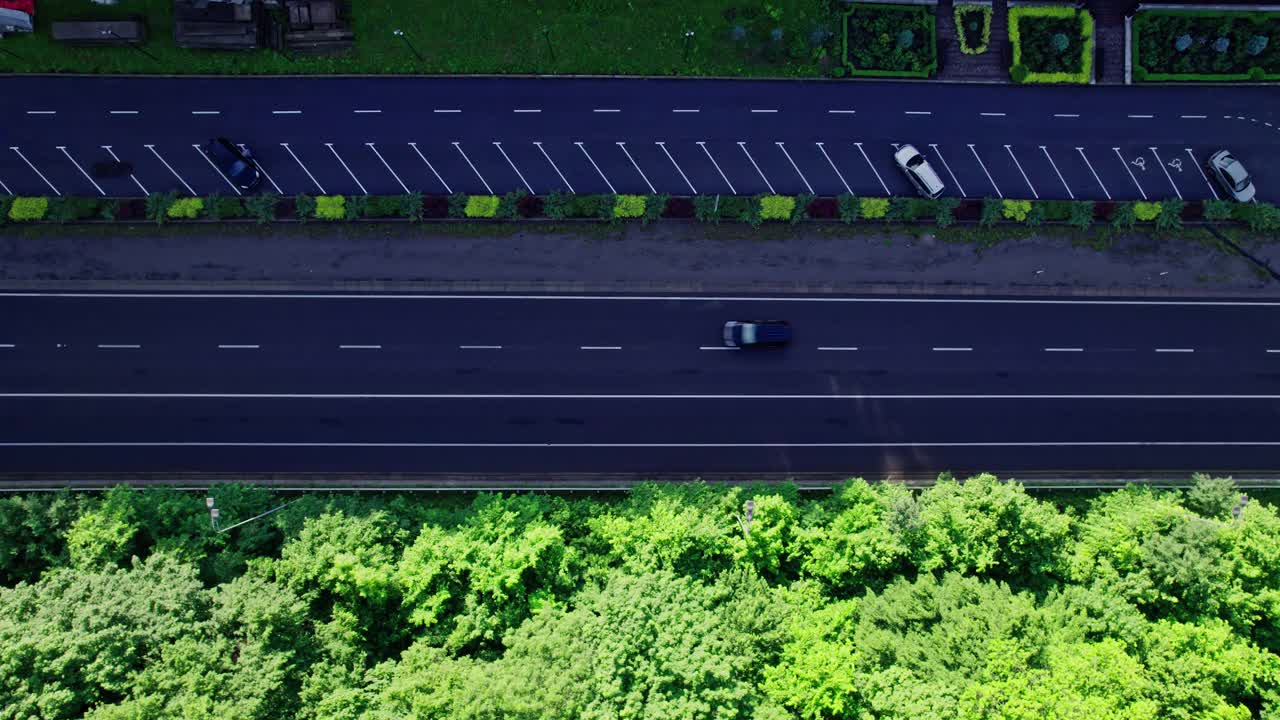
{"points": [[1205, 671], [104, 536], [31, 531], [857, 538]]}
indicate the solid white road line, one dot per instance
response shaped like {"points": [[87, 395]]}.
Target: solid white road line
{"points": [[783, 148], [359, 347], [703, 145], [344, 166], [836, 349], [1175, 350], [663, 145], [1045, 150], [834, 168], [216, 168], [265, 174], [33, 167], [431, 168], [63, 148], [388, 167], [954, 179], [1123, 162], [720, 445], [458, 146], [131, 175], [479, 347], [1166, 171], [1024, 173], [627, 396], [583, 148], [984, 170], [153, 150], [304, 168], [1063, 349], [873, 168], [520, 175], [1095, 172], [601, 347], [119, 347], [1195, 162], [742, 144], [953, 349], [563, 179], [239, 347], [636, 166]]}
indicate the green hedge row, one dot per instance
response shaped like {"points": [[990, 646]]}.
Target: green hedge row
{"points": [[1051, 44], [1206, 45], [973, 27]]}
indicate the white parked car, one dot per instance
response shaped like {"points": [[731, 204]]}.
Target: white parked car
{"points": [[1231, 175], [919, 171]]}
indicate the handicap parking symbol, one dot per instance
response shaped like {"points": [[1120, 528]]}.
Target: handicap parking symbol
{"points": [[1140, 162], [1176, 164]]}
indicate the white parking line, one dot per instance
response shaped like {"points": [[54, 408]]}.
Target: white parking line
{"points": [[563, 179], [1195, 162], [367, 112], [33, 167], [527, 186], [479, 347], [953, 349], [359, 347], [1095, 172], [1126, 169], [215, 167], [5, 188], [388, 167], [1166, 171], [873, 168], [783, 148], [600, 347], [239, 347], [265, 174], [954, 179], [843, 112], [742, 144], [344, 165], [63, 148], [1045, 150], [583, 148], [984, 170], [1175, 350], [431, 168], [836, 349], [834, 168], [703, 145], [1063, 349], [304, 168], [458, 146], [663, 145], [1066, 115], [1024, 173], [206, 112], [636, 166], [119, 347], [153, 150]]}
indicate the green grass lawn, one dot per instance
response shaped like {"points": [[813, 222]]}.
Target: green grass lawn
{"points": [[629, 37]]}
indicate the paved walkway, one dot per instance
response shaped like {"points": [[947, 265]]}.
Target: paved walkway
{"points": [[955, 65]]}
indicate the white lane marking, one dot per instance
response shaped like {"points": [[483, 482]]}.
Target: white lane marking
{"points": [[10, 346], [636, 166], [239, 347], [703, 145], [762, 110], [63, 148], [458, 146], [837, 348], [479, 347], [1175, 350], [119, 347], [716, 446], [1024, 173], [42, 112], [124, 112], [1195, 162], [286, 112], [206, 112], [388, 167], [663, 145], [215, 167], [520, 175], [953, 349], [843, 112], [991, 114], [742, 144], [606, 110], [33, 167], [783, 148], [1193, 117], [344, 165], [153, 150], [716, 347], [359, 347], [917, 112], [1095, 172], [621, 396], [1166, 171], [834, 168], [258, 165], [563, 179], [601, 347], [1063, 349], [685, 110], [1142, 117], [131, 175], [583, 148], [304, 168], [984, 170], [438, 110], [1126, 169], [527, 110], [1066, 115], [431, 167], [873, 168], [367, 112], [954, 179], [1063, 180], [1270, 351]]}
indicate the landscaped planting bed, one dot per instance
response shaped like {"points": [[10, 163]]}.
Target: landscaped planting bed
{"points": [[1051, 44], [890, 41], [1206, 45], [973, 28]]}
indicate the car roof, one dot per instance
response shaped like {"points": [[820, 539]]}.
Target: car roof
{"points": [[928, 176]]}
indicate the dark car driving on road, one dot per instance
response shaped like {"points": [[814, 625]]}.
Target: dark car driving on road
{"points": [[757, 333], [235, 162]]}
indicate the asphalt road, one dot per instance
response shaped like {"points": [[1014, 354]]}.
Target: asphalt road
{"points": [[480, 135], [497, 384]]}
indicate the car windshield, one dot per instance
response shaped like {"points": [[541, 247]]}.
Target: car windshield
{"points": [[748, 334], [241, 170], [916, 161]]}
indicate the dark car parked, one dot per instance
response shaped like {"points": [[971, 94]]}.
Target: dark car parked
{"points": [[757, 333], [236, 163]]}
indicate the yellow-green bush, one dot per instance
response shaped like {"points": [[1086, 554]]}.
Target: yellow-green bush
{"points": [[1146, 211], [629, 206], [28, 208], [873, 208], [185, 208], [1016, 210], [777, 207], [482, 206], [331, 207]]}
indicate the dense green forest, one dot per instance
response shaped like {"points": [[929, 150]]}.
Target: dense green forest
{"points": [[968, 600]]}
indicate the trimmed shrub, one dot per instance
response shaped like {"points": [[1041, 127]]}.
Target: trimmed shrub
{"points": [[629, 206], [482, 206], [1081, 214], [973, 27], [944, 213], [158, 206], [590, 206], [992, 209], [1055, 209], [509, 205], [458, 205], [850, 208], [733, 207], [262, 207], [1016, 210], [1036, 214], [1170, 217], [654, 205], [1123, 216], [185, 208], [107, 209], [1256, 44], [356, 206], [1217, 210], [556, 206], [382, 206], [800, 207], [411, 206], [1261, 217], [873, 208], [1051, 44], [1146, 211], [777, 207], [706, 208], [304, 207], [69, 209], [1205, 45], [28, 209], [217, 207], [331, 207]]}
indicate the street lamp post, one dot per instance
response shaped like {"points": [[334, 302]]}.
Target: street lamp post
{"points": [[688, 36], [546, 35], [749, 510], [400, 34], [112, 33]]}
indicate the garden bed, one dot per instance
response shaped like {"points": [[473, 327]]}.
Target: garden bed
{"points": [[1206, 45], [890, 41], [1051, 44], [973, 28]]}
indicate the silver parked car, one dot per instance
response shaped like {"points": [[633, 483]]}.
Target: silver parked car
{"points": [[919, 171], [1231, 175]]}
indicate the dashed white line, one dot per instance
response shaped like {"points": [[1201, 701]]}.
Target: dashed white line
{"points": [[954, 179], [33, 167], [239, 347], [215, 167], [1126, 169], [10, 346], [1193, 117], [1045, 150], [742, 144], [458, 146], [873, 168], [479, 347], [762, 110], [118, 347], [304, 167], [563, 179], [834, 168], [663, 145], [124, 112], [984, 170], [1095, 172], [636, 166], [359, 347], [527, 110], [953, 349], [63, 148], [843, 112], [1175, 350], [439, 110], [1066, 115], [1141, 117], [206, 112], [1166, 171], [685, 110], [716, 347], [1277, 350], [42, 112], [601, 347], [606, 110], [152, 148], [991, 114], [344, 166], [917, 112], [286, 112], [1024, 173], [702, 144], [583, 148], [837, 349], [367, 112], [520, 175], [388, 167], [1063, 349], [431, 167]]}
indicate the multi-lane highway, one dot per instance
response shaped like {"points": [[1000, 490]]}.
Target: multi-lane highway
{"points": [[493, 384], [480, 135]]}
